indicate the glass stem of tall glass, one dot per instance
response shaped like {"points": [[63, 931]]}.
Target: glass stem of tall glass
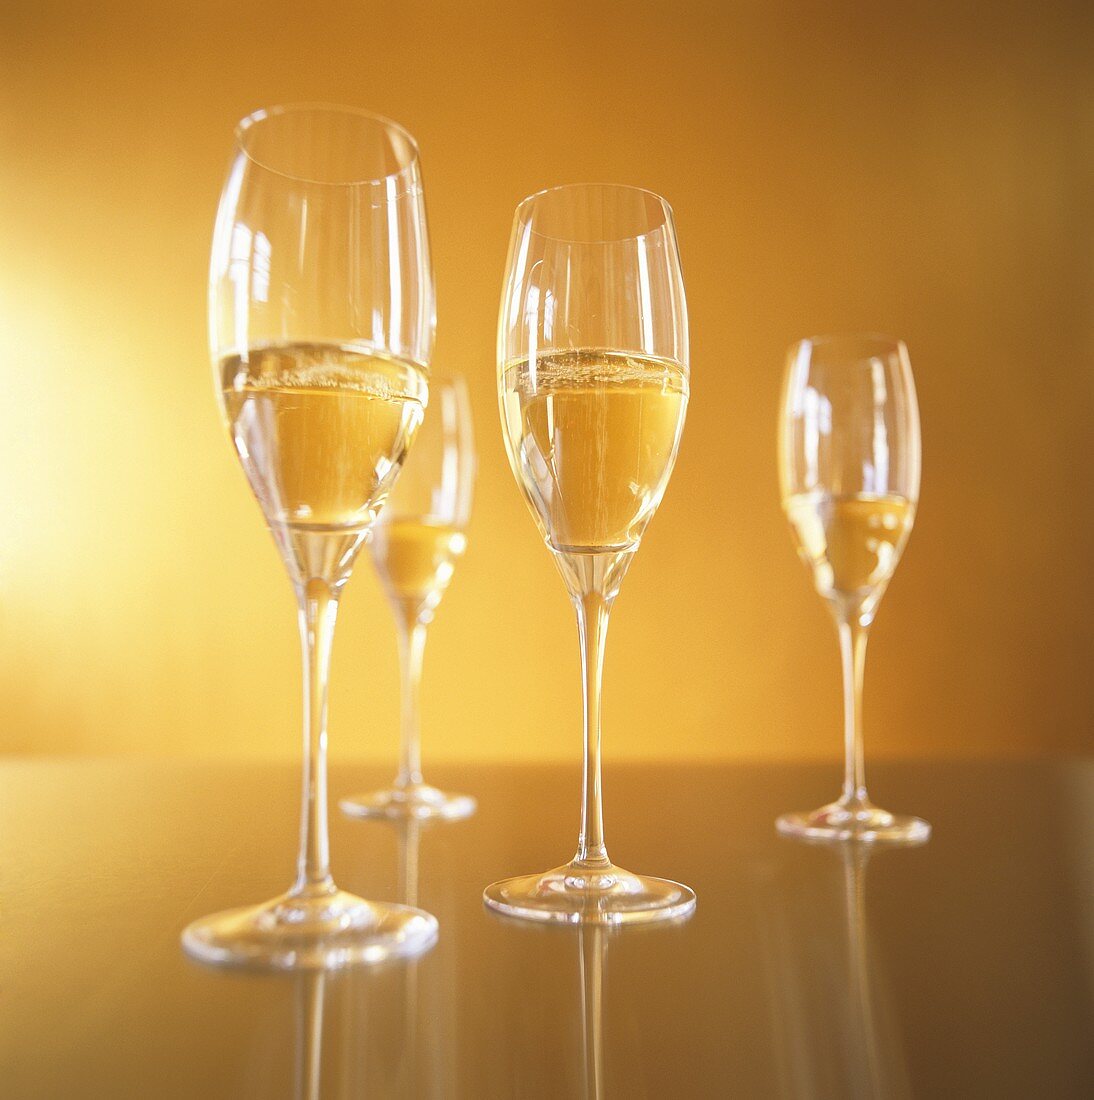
{"points": [[593, 581], [322, 386], [593, 388], [318, 599]]}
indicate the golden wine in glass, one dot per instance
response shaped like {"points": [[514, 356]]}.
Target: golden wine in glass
{"points": [[595, 436], [415, 559]]}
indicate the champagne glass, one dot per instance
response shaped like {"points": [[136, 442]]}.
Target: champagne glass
{"points": [[593, 362], [415, 545], [849, 457], [321, 327]]}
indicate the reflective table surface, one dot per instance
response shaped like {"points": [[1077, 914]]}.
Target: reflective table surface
{"points": [[962, 968]]}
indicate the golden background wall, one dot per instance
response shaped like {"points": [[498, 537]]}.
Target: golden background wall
{"points": [[905, 168]]}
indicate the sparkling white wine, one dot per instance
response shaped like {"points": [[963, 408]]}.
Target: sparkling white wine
{"points": [[853, 543], [321, 429], [592, 437], [416, 558]]}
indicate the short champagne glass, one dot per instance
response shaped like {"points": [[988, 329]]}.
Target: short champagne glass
{"points": [[321, 327], [849, 458], [593, 383], [415, 544]]}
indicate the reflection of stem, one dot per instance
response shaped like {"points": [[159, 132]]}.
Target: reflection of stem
{"points": [[863, 1034], [409, 845], [410, 832], [592, 949], [311, 991], [837, 1034], [876, 1065]]}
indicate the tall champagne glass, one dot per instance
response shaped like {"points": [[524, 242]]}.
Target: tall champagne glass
{"points": [[321, 325], [849, 456], [593, 362], [415, 544]]}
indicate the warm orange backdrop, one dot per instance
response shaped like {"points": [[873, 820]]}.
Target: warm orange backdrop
{"points": [[896, 167]]}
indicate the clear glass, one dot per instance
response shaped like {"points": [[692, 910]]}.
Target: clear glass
{"points": [[321, 330], [849, 458], [593, 384], [415, 545]]}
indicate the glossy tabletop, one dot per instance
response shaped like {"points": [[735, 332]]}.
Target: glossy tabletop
{"points": [[963, 968]]}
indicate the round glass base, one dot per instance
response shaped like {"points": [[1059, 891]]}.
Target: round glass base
{"points": [[331, 930], [862, 821], [417, 800], [575, 894]]}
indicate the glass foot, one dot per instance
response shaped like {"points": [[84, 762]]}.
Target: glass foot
{"points": [[330, 930], [418, 800], [578, 895], [862, 821]]}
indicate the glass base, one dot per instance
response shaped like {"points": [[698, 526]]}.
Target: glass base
{"points": [[575, 894], [861, 821], [418, 800], [331, 930]]}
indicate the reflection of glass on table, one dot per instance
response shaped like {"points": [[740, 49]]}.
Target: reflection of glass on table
{"points": [[836, 1030]]}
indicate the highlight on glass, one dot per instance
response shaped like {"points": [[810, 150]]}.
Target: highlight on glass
{"points": [[849, 463], [593, 384], [415, 545], [321, 321]]}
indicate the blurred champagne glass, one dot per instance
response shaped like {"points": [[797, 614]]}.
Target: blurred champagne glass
{"points": [[593, 383], [321, 325], [415, 544], [849, 458]]}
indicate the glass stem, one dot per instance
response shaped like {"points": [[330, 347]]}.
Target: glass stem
{"points": [[593, 609], [412, 634], [318, 610], [852, 643]]}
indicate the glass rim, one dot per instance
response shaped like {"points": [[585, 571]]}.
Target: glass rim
{"points": [[520, 215], [277, 110], [834, 339]]}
